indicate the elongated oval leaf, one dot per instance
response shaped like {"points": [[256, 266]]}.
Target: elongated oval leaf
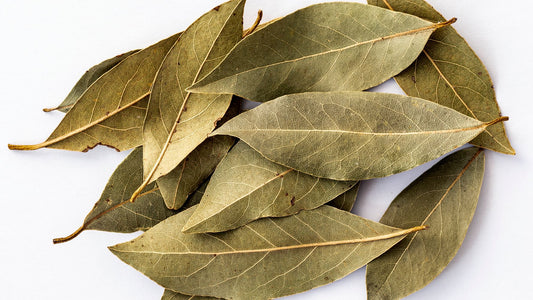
{"points": [[112, 109], [87, 79], [246, 186], [444, 198], [325, 47], [177, 185], [347, 199], [352, 135], [171, 295], [178, 121], [450, 73], [113, 212], [268, 258]]}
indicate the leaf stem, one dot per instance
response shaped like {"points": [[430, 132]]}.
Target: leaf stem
{"points": [[496, 121], [254, 26], [76, 131], [57, 108], [98, 216]]}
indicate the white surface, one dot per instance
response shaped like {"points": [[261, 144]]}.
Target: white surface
{"points": [[47, 45]]}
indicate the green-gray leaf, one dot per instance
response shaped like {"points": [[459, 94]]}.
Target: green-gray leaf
{"points": [[450, 73], [347, 199], [444, 198], [268, 258], [87, 79], [177, 121], [171, 295], [112, 109], [177, 185], [246, 186], [337, 46], [113, 212], [352, 135]]}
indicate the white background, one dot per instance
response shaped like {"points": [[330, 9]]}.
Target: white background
{"points": [[47, 45]]}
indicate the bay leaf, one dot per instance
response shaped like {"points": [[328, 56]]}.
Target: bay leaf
{"points": [[113, 212], [336, 46], [268, 258], [246, 186], [171, 295], [450, 73], [445, 199], [198, 165], [178, 121], [346, 200], [352, 135], [112, 109], [177, 185], [87, 79]]}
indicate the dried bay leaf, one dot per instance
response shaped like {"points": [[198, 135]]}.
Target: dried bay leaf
{"points": [[171, 295], [346, 200], [445, 199], [268, 258], [325, 47], [177, 185], [246, 186], [450, 73], [112, 109], [352, 135], [113, 212], [198, 165], [178, 121], [87, 79]]}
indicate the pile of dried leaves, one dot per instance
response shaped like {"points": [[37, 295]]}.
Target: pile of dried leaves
{"points": [[256, 204]]}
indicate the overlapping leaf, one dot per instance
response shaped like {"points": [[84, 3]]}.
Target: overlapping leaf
{"points": [[177, 185], [87, 79], [246, 186], [346, 201], [352, 135], [337, 46], [267, 258], [113, 212], [450, 73], [178, 121], [111, 111], [444, 198]]}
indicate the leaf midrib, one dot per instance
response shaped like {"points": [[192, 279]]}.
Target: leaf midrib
{"points": [[397, 233], [483, 125]]}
